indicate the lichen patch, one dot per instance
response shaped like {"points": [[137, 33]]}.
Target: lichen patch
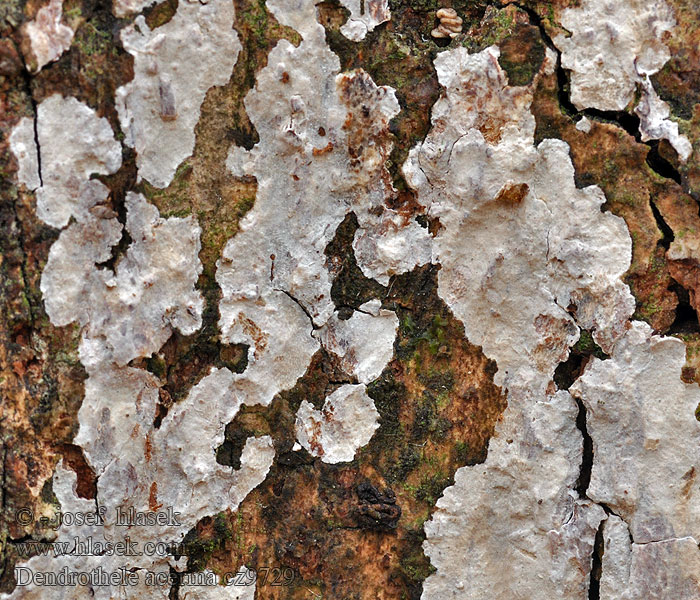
{"points": [[174, 66]]}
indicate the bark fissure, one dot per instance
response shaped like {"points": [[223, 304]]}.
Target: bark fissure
{"points": [[629, 122], [35, 122], [597, 564], [584, 478], [666, 231], [23, 263], [4, 476]]}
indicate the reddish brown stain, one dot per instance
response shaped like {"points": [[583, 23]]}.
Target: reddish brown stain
{"points": [[513, 193], [321, 151], [148, 447], [153, 504]]}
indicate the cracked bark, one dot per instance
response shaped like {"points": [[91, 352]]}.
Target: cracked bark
{"points": [[440, 410]]}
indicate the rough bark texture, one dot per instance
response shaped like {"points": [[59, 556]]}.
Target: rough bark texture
{"points": [[385, 305]]}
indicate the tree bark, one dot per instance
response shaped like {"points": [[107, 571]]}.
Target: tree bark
{"points": [[357, 299]]}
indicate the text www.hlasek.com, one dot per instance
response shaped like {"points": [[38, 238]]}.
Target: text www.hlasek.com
{"points": [[125, 575]]}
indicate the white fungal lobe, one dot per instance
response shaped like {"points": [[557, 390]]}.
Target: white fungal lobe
{"points": [[122, 8], [646, 440], [46, 38], [132, 311], [128, 313], [170, 466], [655, 124], [611, 45], [511, 527], [365, 15], [668, 569], [348, 340], [613, 49], [515, 226], [145, 469], [64, 188], [327, 135], [345, 423], [174, 66], [23, 147], [526, 258]]}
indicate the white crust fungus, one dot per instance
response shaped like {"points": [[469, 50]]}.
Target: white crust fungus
{"points": [[326, 134], [365, 15], [346, 422], [646, 440], [128, 313], [64, 188], [349, 340], [515, 226], [47, 37], [613, 48], [526, 258], [511, 527], [664, 570], [174, 66], [23, 147]]}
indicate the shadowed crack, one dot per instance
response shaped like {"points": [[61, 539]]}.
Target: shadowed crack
{"points": [[664, 228], [27, 79], [686, 320], [627, 121], [300, 305], [597, 564], [584, 477], [565, 374]]}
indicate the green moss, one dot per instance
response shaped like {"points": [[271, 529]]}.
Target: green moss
{"points": [[93, 41], [332, 523], [626, 199], [199, 550], [587, 346], [462, 452], [387, 394], [648, 309], [430, 334], [498, 26], [550, 15], [427, 423], [173, 201], [160, 14], [415, 566], [416, 5], [72, 13], [417, 523], [408, 460], [157, 366], [221, 527], [254, 17], [431, 487]]}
